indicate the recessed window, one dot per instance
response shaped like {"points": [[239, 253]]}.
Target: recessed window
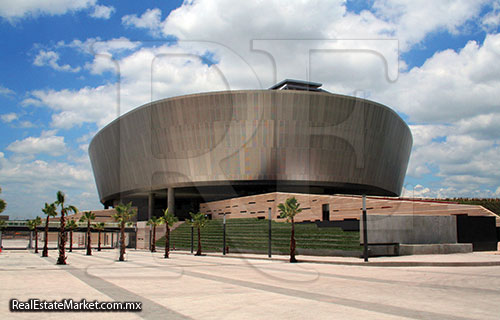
{"points": [[325, 208]]}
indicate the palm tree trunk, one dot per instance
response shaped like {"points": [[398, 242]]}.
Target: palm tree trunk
{"points": [[198, 252], [153, 244], [71, 241], [36, 240], [292, 244], [99, 241], [122, 242], [62, 240], [167, 241], [89, 239], [45, 252]]}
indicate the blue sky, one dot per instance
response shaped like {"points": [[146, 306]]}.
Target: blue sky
{"points": [[61, 62]]}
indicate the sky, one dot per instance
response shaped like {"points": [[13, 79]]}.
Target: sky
{"points": [[69, 67]]}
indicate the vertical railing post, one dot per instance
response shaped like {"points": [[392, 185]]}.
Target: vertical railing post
{"points": [[269, 249], [365, 231], [224, 236], [192, 237]]}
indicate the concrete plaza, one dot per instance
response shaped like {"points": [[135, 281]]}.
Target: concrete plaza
{"points": [[213, 287]]}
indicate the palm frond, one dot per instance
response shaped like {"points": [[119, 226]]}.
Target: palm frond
{"points": [[60, 197], [169, 218], [198, 220], [72, 208], [50, 209], [72, 225], [99, 226], [289, 209], [124, 212], [37, 221]]}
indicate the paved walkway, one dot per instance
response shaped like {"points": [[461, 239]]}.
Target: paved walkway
{"points": [[432, 260], [212, 287]]}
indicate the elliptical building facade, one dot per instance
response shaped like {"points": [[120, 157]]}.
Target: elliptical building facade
{"points": [[295, 137]]}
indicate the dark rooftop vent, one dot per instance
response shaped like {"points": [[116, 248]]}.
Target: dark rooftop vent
{"points": [[290, 84]]}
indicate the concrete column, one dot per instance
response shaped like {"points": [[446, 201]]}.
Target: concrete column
{"points": [[151, 205], [171, 200]]}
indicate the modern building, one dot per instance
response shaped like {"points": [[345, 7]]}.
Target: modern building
{"points": [[323, 208], [295, 137], [395, 225]]}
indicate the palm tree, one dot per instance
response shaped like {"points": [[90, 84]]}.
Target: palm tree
{"points": [[61, 198], [124, 213], [99, 227], [33, 225], [72, 225], [288, 210], [169, 220], [50, 211], [198, 220], [154, 221], [88, 216]]}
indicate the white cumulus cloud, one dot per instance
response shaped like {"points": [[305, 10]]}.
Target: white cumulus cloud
{"points": [[99, 46], [51, 58], [9, 117], [17, 9], [102, 12], [172, 72], [150, 20], [414, 20], [450, 86], [46, 143], [6, 91]]}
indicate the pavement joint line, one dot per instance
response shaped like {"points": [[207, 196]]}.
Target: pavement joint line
{"points": [[150, 309], [357, 304]]}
